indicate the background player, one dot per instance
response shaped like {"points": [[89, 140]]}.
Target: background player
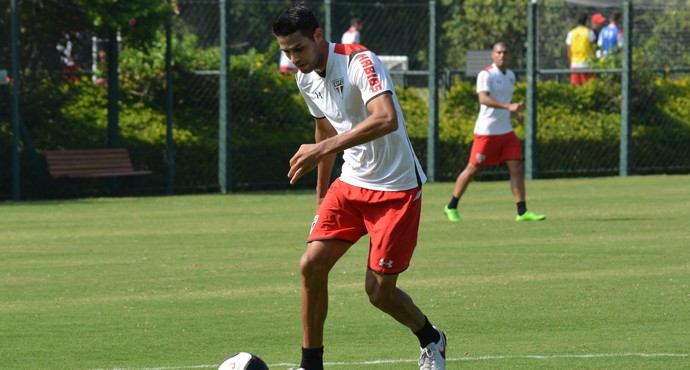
{"points": [[494, 139]]}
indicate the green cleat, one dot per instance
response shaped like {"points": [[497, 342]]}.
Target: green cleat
{"points": [[452, 214], [529, 216]]}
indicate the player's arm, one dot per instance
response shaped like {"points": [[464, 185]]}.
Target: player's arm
{"points": [[486, 99], [323, 131], [382, 120]]}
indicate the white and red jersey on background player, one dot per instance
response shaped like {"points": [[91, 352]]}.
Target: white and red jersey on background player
{"points": [[500, 86]]}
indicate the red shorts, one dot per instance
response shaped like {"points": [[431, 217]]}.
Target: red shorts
{"points": [[579, 78], [490, 150], [391, 218]]}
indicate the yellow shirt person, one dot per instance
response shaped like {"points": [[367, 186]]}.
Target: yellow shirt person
{"points": [[580, 41]]}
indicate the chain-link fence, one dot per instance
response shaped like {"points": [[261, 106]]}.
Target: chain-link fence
{"points": [[578, 127]]}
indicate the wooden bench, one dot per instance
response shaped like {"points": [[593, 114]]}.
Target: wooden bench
{"points": [[91, 163]]}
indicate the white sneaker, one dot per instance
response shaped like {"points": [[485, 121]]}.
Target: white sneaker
{"points": [[433, 356]]}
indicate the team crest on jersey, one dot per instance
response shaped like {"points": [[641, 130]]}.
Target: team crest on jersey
{"points": [[338, 85]]}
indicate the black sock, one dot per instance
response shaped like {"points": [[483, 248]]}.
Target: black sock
{"points": [[522, 208], [453, 202], [312, 358], [427, 334]]}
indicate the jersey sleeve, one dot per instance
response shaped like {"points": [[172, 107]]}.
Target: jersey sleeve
{"points": [[368, 74], [483, 82], [313, 108]]}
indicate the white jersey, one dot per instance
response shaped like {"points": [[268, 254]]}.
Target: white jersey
{"points": [[500, 86], [354, 76], [351, 36]]}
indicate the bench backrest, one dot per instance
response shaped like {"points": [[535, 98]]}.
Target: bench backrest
{"points": [[88, 162]]}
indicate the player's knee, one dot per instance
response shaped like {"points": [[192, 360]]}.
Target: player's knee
{"points": [[378, 297], [471, 169], [515, 166], [310, 267]]}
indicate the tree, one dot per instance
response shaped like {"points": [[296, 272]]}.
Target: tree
{"points": [[478, 24]]}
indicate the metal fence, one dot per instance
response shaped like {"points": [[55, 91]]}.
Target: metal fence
{"points": [[260, 144]]}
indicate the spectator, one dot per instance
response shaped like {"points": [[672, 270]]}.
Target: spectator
{"points": [[580, 42], [351, 36], [611, 37], [598, 21]]}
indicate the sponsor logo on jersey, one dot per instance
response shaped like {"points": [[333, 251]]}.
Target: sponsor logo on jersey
{"points": [[372, 76]]}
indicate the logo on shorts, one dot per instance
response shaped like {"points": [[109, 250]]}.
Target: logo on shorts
{"points": [[313, 223], [480, 157], [386, 263]]}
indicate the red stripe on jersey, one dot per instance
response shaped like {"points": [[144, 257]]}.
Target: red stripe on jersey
{"points": [[347, 49], [488, 67]]}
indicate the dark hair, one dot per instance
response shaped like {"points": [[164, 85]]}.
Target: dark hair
{"points": [[296, 17], [501, 43], [582, 19], [616, 17]]}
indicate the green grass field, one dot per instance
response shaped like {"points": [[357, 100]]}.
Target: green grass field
{"points": [[181, 282]]}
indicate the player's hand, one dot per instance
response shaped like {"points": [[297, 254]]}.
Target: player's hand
{"points": [[306, 159], [515, 107]]}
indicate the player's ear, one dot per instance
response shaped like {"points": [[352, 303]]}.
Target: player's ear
{"points": [[318, 34]]}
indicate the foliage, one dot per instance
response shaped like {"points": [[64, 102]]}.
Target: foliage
{"points": [[477, 25], [138, 21]]}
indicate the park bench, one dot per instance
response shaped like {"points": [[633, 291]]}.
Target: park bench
{"points": [[91, 163]]}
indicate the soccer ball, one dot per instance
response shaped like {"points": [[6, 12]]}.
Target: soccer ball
{"points": [[243, 361]]}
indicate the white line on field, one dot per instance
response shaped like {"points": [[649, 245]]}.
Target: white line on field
{"points": [[478, 358]]}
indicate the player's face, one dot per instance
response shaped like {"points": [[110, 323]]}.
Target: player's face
{"points": [[501, 56], [304, 52]]}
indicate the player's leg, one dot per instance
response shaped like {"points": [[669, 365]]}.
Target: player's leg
{"points": [[517, 179], [315, 265], [392, 219], [336, 227], [387, 297], [511, 154], [477, 157], [464, 179], [517, 185]]}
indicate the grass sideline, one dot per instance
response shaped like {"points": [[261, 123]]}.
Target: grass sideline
{"points": [[181, 282]]}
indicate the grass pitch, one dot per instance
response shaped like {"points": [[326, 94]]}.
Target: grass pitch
{"points": [[182, 282]]}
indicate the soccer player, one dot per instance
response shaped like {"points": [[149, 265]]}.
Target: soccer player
{"points": [[350, 94], [494, 139], [351, 36]]}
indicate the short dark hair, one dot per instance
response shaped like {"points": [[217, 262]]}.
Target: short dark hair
{"points": [[296, 17], [582, 19], [501, 43]]}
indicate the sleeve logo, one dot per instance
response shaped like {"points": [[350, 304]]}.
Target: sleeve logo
{"points": [[369, 70]]}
